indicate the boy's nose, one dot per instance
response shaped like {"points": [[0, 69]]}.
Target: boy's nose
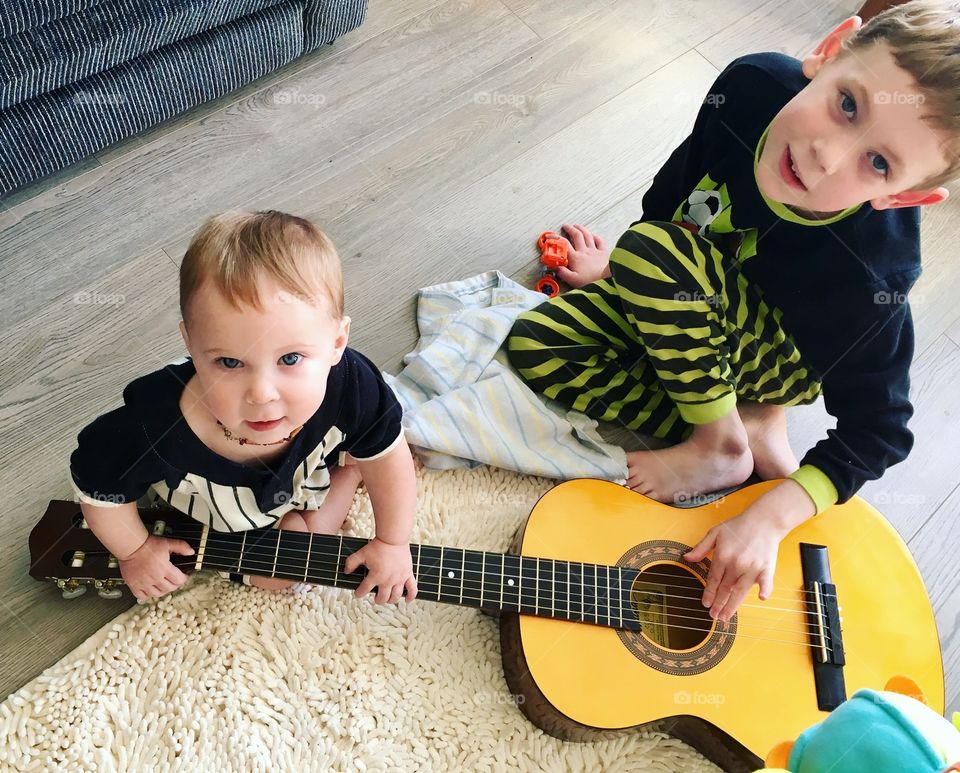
{"points": [[828, 154], [261, 392]]}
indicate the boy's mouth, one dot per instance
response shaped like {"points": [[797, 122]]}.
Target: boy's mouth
{"points": [[264, 426], [788, 170]]}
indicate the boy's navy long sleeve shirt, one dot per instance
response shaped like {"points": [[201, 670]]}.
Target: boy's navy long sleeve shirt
{"points": [[840, 283]]}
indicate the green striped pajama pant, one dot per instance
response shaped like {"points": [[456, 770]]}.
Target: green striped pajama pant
{"points": [[675, 337]]}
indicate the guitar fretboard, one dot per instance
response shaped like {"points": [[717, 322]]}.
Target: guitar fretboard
{"points": [[568, 590]]}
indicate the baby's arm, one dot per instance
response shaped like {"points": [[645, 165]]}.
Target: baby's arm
{"points": [[391, 482], [144, 559]]}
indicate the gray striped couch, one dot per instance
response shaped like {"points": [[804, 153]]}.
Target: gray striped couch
{"points": [[79, 75]]}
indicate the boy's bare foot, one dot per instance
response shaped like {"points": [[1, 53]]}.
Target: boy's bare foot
{"points": [[327, 519], [715, 456], [766, 427], [589, 258]]}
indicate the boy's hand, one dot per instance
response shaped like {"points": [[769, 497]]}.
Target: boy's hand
{"points": [[148, 571], [744, 554], [745, 547], [389, 568], [588, 256]]}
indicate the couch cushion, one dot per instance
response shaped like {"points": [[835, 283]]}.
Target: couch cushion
{"points": [[96, 38], [19, 15], [60, 127]]}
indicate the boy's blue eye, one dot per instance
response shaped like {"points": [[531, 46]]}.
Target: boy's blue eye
{"points": [[229, 362], [285, 361], [883, 166], [847, 104]]}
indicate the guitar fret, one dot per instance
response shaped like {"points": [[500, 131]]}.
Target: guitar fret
{"points": [[276, 553], [536, 584], [306, 566], [243, 545], [503, 576], [336, 568], [483, 575], [620, 593], [463, 572], [440, 581]]}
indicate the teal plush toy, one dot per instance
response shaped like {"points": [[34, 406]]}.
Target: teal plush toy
{"points": [[875, 732]]}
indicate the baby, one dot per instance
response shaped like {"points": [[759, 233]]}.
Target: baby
{"points": [[255, 427]]}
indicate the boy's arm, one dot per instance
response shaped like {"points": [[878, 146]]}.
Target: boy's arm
{"points": [[867, 390], [118, 527], [144, 559], [391, 482], [392, 486]]}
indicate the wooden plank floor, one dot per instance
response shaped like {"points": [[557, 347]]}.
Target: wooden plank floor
{"points": [[432, 143]]}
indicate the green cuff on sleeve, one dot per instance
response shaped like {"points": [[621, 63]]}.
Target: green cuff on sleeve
{"points": [[820, 488], [704, 413]]}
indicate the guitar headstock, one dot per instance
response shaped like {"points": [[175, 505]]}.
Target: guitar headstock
{"points": [[64, 550]]}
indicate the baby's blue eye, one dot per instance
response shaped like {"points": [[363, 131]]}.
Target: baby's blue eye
{"points": [[847, 103], [229, 362], [883, 166], [285, 361]]}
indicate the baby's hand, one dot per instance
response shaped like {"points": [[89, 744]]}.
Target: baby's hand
{"points": [[744, 554], [149, 573], [588, 256], [389, 568]]}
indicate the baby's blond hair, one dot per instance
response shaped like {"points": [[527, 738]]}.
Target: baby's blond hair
{"points": [[924, 38], [236, 250]]}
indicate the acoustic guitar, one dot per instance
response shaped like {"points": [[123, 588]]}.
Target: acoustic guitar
{"points": [[602, 628]]}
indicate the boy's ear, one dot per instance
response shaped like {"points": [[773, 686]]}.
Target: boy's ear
{"points": [[340, 343], [183, 334], [910, 199], [830, 46]]}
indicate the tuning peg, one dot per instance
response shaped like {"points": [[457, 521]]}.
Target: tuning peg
{"points": [[107, 589], [71, 588]]}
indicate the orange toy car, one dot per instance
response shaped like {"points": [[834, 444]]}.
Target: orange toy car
{"points": [[553, 255]]}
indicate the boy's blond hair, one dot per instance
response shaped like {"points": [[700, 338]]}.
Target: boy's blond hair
{"points": [[235, 251], [924, 38]]}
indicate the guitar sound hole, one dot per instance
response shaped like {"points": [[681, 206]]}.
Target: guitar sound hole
{"points": [[666, 598]]}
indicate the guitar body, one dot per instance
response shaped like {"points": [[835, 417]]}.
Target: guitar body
{"points": [[732, 690]]}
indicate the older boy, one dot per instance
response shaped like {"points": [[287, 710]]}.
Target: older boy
{"points": [[776, 249]]}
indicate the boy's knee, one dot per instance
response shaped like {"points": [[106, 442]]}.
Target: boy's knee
{"points": [[293, 521]]}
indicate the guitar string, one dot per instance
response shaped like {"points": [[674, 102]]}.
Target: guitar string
{"points": [[641, 576], [351, 582], [252, 563], [228, 541]]}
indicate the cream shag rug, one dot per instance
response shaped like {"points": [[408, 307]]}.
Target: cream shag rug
{"points": [[223, 677]]}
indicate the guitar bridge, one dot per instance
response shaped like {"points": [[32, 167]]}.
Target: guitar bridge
{"points": [[823, 624]]}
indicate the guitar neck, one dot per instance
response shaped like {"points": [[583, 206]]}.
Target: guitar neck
{"points": [[495, 582]]}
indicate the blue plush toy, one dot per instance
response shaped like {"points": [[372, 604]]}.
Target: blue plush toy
{"points": [[875, 732]]}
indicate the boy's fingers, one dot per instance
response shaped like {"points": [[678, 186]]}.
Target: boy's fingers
{"points": [[565, 274], [576, 237], [737, 594], [353, 562], [766, 583], [365, 586], [181, 548], [411, 586], [714, 578], [701, 549], [600, 243]]}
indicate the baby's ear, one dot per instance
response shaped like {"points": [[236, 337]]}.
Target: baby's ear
{"points": [[343, 335]]}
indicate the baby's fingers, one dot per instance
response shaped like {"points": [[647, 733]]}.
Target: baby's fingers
{"points": [[411, 586]]}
